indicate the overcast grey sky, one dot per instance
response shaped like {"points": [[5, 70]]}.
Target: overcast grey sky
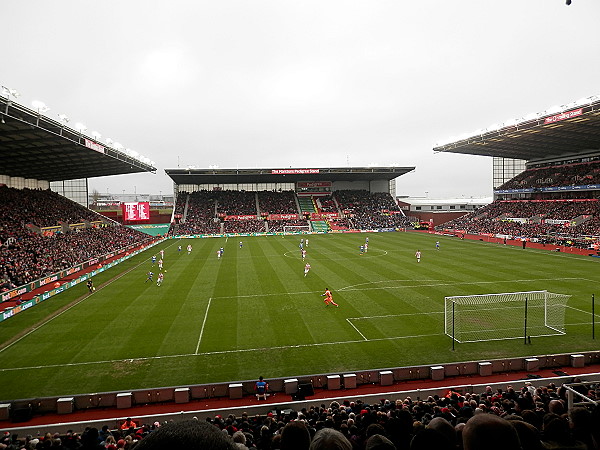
{"points": [[300, 83]]}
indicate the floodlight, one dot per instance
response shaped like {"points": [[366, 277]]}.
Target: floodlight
{"points": [[510, 123], [493, 127], [8, 92], [40, 106], [109, 141], [118, 146], [80, 127], [152, 163], [63, 118], [96, 135]]}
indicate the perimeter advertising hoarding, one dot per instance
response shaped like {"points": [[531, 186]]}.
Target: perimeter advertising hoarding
{"points": [[135, 211]]}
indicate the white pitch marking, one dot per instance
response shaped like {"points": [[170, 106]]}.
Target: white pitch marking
{"points": [[350, 288], [457, 283], [580, 310], [220, 352], [357, 330], [203, 323], [396, 315]]}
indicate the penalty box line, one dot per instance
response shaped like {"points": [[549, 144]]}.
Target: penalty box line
{"points": [[350, 319]]}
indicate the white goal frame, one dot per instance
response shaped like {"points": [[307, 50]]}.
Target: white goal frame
{"points": [[509, 315], [294, 229]]}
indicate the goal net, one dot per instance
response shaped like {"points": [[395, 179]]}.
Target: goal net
{"points": [[295, 229], [511, 315]]}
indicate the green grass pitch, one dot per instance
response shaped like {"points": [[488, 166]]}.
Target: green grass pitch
{"points": [[254, 313]]}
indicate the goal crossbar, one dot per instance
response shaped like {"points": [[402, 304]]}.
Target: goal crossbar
{"points": [[509, 315], [296, 228]]}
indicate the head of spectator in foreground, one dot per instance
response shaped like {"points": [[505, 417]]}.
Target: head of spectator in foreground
{"points": [[445, 428], [187, 435], [379, 442], [489, 432], [330, 439], [295, 436]]}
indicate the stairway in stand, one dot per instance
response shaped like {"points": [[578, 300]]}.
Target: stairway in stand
{"points": [[307, 205]]}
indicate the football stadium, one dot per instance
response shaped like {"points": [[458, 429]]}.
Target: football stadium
{"points": [[269, 276], [314, 278]]}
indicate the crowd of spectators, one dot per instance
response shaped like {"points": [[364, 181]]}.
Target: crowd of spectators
{"points": [[26, 255], [327, 204], [535, 219], [244, 226], [522, 418], [206, 210], [42, 208], [277, 202], [579, 174], [200, 215], [370, 211], [236, 203]]}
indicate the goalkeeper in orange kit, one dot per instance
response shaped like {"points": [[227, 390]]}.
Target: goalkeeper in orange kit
{"points": [[329, 298]]}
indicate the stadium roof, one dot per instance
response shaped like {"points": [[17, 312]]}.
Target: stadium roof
{"points": [[287, 175], [35, 146], [561, 132]]}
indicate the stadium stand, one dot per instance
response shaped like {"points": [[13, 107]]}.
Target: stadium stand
{"points": [[531, 416], [27, 253], [578, 174], [201, 211], [370, 211], [548, 221], [273, 202], [236, 203]]}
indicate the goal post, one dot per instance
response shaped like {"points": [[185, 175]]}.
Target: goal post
{"points": [[509, 315], [296, 229]]}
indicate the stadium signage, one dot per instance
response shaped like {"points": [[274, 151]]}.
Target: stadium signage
{"points": [[549, 189], [293, 171], [244, 217], [563, 116], [48, 280], [313, 184], [324, 216], [94, 146], [283, 217], [14, 293], [74, 269]]}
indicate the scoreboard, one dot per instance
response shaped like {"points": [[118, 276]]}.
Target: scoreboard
{"points": [[135, 211]]}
